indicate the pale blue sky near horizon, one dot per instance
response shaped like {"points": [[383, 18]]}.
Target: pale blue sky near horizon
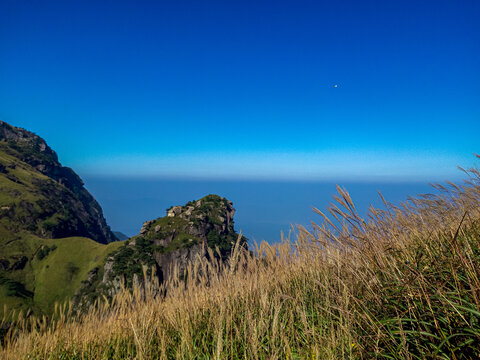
{"points": [[264, 209], [246, 90]]}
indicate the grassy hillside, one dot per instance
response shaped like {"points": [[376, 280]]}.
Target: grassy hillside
{"points": [[17, 182], [402, 284], [40, 195], [26, 281], [60, 274], [53, 270], [41, 200]]}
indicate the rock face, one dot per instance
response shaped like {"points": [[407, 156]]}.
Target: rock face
{"points": [[188, 230], [174, 240], [54, 202]]}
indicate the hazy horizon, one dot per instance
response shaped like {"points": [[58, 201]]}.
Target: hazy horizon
{"points": [[263, 208]]}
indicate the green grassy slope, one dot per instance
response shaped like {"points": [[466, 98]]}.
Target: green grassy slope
{"points": [[30, 205], [53, 278], [40, 195], [60, 274], [16, 181], [16, 187], [30, 200]]}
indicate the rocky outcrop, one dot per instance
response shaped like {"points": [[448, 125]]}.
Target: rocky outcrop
{"points": [[184, 234], [59, 205]]}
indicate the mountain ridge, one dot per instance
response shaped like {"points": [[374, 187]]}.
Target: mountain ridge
{"points": [[78, 213]]}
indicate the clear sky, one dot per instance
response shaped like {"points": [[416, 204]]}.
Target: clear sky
{"points": [[246, 89]]}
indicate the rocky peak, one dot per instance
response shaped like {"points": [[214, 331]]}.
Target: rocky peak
{"points": [[217, 208], [33, 150], [208, 220], [210, 209], [25, 138], [182, 235]]}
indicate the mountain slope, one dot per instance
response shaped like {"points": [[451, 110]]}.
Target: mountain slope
{"points": [[47, 221], [35, 273], [40, 195]]}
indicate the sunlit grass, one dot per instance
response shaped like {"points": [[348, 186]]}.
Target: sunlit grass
{"points": [[402, 284]]}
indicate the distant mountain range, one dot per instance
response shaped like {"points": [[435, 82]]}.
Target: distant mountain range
{"points": [[55, 244]]}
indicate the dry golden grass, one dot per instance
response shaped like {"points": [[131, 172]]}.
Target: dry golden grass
{"points": [[402, 284]]}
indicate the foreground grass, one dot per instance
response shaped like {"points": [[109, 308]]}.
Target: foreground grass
{"points": [[402, 284]]}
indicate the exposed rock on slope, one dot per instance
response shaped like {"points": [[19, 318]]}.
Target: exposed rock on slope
{"points": [[173, 240], [42, 196]]}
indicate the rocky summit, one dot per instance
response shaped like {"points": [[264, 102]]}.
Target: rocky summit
{"points": [[185, 233]]}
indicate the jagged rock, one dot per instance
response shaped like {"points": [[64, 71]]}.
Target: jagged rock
{"points": [[172, 241], [174, 211], [146, 226]]}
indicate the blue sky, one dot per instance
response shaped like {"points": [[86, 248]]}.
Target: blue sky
{"points": [[245, 90]]}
